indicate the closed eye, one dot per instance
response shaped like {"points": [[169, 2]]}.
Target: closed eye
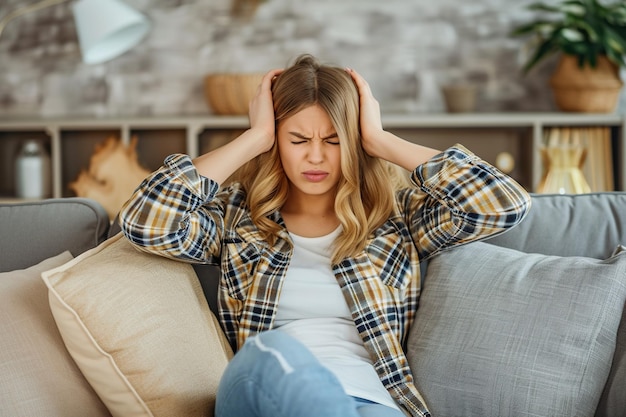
{"points": [[298, 138], [332, 139]]}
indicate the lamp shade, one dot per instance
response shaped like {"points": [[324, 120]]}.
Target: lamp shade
{"points": [[107, 28]]}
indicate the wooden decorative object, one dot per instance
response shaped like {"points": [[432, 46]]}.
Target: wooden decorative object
{"points": [[114, 173], [589, 90], [244, 8], [459, 98], [230, 94]]}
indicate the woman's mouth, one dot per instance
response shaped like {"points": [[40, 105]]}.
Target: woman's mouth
{"points": [[315, 176]]}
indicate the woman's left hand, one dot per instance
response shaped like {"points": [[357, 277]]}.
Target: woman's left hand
{"points": [[379, 143], [372, 132]]}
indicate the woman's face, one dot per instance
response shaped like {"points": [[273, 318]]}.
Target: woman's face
{"points": [[309, 151]]}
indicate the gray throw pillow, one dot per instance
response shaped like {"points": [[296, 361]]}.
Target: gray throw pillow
{"points": [[504, 333], [613, 400]]}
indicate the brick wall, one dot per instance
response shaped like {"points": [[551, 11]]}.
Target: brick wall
{"points": [[405, 48]]}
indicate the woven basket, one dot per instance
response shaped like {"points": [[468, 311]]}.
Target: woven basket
{"points": [[586, 90], [231, 93]]}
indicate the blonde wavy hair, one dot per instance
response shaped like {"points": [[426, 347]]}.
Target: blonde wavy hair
{"points": [[365, 193]]}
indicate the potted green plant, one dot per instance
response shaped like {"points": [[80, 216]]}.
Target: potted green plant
{"points": [[591, 37]]}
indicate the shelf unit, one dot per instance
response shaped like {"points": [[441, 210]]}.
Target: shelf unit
{"points": [[71, 142]]}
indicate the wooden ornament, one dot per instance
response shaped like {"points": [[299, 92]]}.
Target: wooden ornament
{"points": [[113, 175]]}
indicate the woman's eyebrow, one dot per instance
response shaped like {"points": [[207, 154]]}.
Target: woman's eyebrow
{"points": [[301, 136]]}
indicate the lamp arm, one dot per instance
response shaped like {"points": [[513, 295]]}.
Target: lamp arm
{"points": [[27, 9]]}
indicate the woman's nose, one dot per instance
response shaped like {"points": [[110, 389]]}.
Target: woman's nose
{"points": [[316, 152]]}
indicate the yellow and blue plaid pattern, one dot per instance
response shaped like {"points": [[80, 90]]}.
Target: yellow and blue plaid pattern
{"points": [[457, 198]]}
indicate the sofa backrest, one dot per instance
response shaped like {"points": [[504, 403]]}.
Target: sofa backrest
{"points": [[589, 225], [33, 231]]}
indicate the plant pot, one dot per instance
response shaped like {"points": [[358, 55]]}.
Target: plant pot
{"points": [[231, 93], [586, 90], [459, 98]]}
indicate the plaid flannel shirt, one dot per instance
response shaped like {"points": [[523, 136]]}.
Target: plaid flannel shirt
{"points": [[457, 198]]}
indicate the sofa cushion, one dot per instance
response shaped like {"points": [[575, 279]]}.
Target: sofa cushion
{"points": [[37, 375], [554, 215], [613, 400], [36, 230], [505, 333], [568, 219], [140, 329]]}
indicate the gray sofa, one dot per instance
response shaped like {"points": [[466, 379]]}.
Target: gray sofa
{"points": [[522, 324]]}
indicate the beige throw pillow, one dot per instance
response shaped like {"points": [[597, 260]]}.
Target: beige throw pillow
{"points": [[37, 375], [140, 329]]}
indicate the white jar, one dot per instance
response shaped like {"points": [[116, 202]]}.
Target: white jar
{"points": [[32, 171]]}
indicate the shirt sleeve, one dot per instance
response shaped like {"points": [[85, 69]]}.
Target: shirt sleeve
{"points": [[175, 213], [460, 199]]}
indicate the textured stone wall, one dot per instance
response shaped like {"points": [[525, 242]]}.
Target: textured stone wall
{"points": [[405, 48]]}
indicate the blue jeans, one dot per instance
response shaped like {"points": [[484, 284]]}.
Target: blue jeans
{"points": [[274, 375]]}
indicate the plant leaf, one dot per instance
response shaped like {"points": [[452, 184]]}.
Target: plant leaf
{"points": [[585, 28], [574, 9], [617, 15], [540, 26], [544, 49], [541, 7], [572, 35], [575, 48], [615, 42], [617, 37], [582, 28]]}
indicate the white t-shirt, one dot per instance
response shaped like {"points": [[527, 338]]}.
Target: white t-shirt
{"points": [[312, 309]]}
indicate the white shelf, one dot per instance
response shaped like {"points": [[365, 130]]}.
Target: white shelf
{"points": [[513, 119], [71, 140]]}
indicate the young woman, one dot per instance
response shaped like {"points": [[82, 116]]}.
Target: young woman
{"points": [[319, 240]]}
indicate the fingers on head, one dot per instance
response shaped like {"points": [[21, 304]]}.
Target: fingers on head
{"points": [[360, 82], [270, 75]]}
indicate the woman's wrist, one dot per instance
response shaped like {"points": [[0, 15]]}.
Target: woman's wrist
{"points": [[401, 152], [258, 140], [222, 162]]}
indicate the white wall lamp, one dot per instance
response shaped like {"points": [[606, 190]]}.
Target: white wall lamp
{"points": [[105, 28]]}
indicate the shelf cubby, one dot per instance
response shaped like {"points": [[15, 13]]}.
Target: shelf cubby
{"points": [[71, 142]]}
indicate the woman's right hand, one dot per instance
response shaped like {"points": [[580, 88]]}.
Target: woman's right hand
{"points": [[220, 163], [261, 110]]}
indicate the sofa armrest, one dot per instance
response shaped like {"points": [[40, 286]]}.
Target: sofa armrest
{"points": [[34, 231]]}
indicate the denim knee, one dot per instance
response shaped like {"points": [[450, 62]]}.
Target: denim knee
{"points": [[275, 375]]}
